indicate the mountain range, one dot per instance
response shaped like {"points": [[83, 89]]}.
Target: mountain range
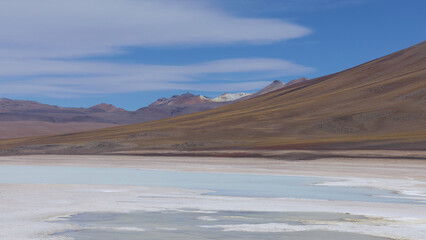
{"points": [[19, 118], [380, 104]]}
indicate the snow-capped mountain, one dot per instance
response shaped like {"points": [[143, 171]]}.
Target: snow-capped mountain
{"points": [[227, 97]]}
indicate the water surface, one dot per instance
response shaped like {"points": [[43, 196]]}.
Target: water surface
{"points": [[195, 225], [225, 184]]}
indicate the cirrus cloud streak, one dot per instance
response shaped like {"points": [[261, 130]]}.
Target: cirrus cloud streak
{"points": [[78, 28], [49, 77]]}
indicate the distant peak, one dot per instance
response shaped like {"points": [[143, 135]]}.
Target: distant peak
{"points": [[107, 107], [181, 100], [276, 84], [302, 79], [104, 104], [187, 94]]}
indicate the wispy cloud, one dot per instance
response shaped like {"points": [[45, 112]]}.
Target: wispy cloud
{"points": [[42, 41], [63, 28], [77, 78]]}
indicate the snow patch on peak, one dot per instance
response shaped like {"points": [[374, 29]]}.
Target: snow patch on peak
{"points": [[227, 97]]}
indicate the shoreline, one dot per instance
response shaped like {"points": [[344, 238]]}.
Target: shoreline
{"points": [[338, 167], [24, 205]]}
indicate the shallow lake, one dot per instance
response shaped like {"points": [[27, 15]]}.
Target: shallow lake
{"points": [[224, 184], [195, 225]]}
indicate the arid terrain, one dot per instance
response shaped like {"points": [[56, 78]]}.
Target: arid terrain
{"points": [[376, 105], [19, 118]]}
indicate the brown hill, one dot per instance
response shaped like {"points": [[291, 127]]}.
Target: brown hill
{"points": [[107, 108], [19, 106], [20, 118], [37, 116], [176, 105], [377, 105], [275, 85], [299, 80]]}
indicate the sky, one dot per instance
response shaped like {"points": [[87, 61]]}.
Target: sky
{"points": [[129, 53]]}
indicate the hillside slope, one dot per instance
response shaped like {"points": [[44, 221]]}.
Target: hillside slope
{"points": [[377, 105], [20, 118]]}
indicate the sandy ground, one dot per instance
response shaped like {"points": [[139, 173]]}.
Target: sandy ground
{"points": [[26, 208]]}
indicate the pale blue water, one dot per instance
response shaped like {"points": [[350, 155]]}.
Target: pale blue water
{"points": [[225, 184], [187, 225]]}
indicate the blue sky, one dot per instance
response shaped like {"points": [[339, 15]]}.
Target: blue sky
{"points": [[129, 52]]}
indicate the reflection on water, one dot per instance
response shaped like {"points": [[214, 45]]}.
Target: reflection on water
{"points": [[225, 184], [196, 225]]}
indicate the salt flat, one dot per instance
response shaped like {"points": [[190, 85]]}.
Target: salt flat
{"points": [[26, 209]]}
